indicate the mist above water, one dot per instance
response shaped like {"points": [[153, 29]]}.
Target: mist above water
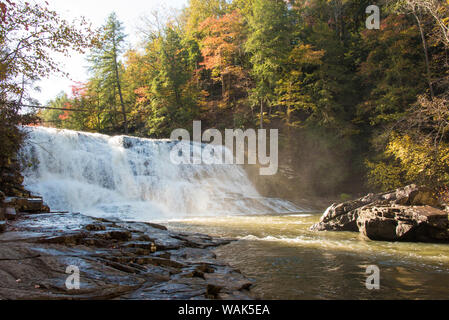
{"points": [[134, 179]]}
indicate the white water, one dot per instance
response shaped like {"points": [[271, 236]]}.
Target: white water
{"points": [[134, 179]]}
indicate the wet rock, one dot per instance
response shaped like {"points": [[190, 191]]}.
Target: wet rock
{"points": [[212, 291], [333, 220], [403, 223], [2, 226], [165, 255], [37, 249], [205, 268], [95, 227], [343, 216], [228, 279], [411, 213], [144, 238], [67, 240], [28, 205], [120, 235], [10, 213], [147, 246], [156, 226]]}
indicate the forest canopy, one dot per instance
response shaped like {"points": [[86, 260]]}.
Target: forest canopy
{"points": [[356, 108]]}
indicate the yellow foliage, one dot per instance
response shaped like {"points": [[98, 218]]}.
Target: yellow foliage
{"points": [[384, 175], [410, 161]]}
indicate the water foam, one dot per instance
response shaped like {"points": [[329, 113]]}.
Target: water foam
{"points": [[134, 179]]}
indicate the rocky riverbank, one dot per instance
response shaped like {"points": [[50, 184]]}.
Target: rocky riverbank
{"points": [[409, 214], [116, 259]]}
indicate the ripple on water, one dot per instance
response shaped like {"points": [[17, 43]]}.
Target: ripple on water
{"points": [[288, 261]]}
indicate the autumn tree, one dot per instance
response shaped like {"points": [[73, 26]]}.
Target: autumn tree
{"points": [[222, 49], [199, 10], [30, 36], [167, 94], [268, 44], [414, 146], [107, 67], [392, 71], [52, 117], [293, 95], [415, 9]]}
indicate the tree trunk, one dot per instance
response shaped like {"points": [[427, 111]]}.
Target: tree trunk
{"points": [[261, 114], [223, 87], [426, 54], [119, 87]]}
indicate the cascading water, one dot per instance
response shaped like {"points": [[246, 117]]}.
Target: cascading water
{"points": [[133, 179]]}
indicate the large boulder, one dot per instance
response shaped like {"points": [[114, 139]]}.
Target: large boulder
{"points": [[343, 216], [404, 223], [411, 213]]}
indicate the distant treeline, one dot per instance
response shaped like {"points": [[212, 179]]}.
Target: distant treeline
{"points": [[356, 108]]}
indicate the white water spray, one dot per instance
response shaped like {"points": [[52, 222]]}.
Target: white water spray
{"points": [[133, 179]]}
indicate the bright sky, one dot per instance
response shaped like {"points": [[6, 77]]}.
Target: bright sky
{"points": [[96, 11]]}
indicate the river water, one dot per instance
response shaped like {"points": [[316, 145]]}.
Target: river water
{"points": [[287, 261]]}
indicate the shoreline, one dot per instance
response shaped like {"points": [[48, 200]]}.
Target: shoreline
{"points": [[116, 260]]}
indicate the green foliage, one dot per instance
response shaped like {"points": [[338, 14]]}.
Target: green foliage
{"points": [[392, 71], [341, 96], [268, 44], [53, 116], [171, 95], [108, 71]]}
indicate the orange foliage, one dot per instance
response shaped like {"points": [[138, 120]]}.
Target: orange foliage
{"points": [[222, 41], [79, 90]]}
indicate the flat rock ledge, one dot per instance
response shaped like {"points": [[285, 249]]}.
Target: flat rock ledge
{"points": [[409, 214], [116, 259]]}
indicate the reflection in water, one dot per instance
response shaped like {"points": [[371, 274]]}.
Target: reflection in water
{"points": [[287, 261]]}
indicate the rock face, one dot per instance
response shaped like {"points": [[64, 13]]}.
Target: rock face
{"points": [[116, 259], [402, 223], [407, 214], [11, 179]]}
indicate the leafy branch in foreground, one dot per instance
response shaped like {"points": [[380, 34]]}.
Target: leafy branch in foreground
{"points": [[31, 38]]}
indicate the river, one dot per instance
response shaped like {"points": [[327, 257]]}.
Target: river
{"points": [[287, 261]]}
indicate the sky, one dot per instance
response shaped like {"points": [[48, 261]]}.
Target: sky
{"points": [[96, 11]]}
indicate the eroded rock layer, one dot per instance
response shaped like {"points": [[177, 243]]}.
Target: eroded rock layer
{"points": [[116, 259], [411, 213]]}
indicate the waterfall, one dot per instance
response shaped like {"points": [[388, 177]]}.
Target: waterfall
{"points": [[133, 179]]}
